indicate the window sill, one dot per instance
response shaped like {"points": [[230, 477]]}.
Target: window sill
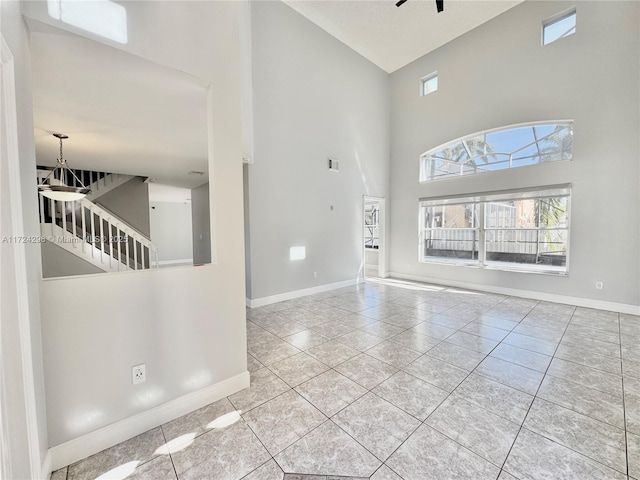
{"points": [[535, 269]]}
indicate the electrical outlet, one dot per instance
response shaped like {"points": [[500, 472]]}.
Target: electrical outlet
{"points": [[139, 374], [315, 274], [599, 285]]}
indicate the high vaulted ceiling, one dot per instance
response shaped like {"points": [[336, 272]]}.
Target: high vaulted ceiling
{"points": [[122, 113], [392, 37], [126, 114]]}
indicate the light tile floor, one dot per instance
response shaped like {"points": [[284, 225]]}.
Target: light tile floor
{"points": [[397, 380]]}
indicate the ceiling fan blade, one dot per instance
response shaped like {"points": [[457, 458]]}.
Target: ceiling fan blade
{"points": [[440, 5], [400, 2]]}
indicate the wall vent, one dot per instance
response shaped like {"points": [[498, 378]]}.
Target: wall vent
{"points": [[334, 165]]}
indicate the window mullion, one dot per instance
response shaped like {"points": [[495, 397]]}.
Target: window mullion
{"points": [[481, 234]]}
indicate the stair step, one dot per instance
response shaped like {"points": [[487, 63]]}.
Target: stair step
{"points": [[118, 247]]}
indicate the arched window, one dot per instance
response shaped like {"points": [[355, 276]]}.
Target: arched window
{"points": [[499, 149]]}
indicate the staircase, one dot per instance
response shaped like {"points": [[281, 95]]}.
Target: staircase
{"points": [[92, 232], [99, 182]]}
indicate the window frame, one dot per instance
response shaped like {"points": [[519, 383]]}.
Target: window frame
{"points": [[572, 12], [374, 227], [482, 200], [110, 17], [476, 237], [424, 177], [425, 80]]}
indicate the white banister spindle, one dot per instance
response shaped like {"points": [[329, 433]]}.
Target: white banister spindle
{"points": [[107, 238], [41, 200], [93, 233], [135, 253], [101, 239], [73, 223], [127, 252], [84, 228], [110, 240], [119, 247], [97, 240], [63, 212]]}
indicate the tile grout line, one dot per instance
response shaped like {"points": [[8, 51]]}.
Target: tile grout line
{"points": [[371, 391], [545, 373], [453, 391], [170, 455], [624, 407], [427, 382], [327, 418], [565, 446], [423, 423], [485, 357], [534, 399]]}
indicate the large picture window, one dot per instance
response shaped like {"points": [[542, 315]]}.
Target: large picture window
{"points": [[451, 231], [517, 230], [510, 147]]}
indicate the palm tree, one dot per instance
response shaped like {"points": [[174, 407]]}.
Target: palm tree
{"points": [[467, 151], [550, 212], [557, 145]]}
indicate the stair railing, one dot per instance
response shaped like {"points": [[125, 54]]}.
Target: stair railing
{"points": [[95, 180], [112, 238]]}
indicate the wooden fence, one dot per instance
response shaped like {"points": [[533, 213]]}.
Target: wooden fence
{"points": [[520, 241]]}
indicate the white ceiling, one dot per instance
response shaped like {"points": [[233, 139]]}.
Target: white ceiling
{"points": [[126, 114], [123, 114], [392, 37]]}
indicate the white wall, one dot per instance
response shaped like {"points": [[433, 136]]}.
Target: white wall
{"points": [[58, 262], [130, 202], [313, 98], [15, 33], [187, 325], [171, 230], [499, 74]]}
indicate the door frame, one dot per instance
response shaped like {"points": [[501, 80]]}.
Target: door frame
{"points": [[383, 254], [15, 228]]}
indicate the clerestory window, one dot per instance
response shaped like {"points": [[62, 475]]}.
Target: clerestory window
{"points": [[429, 84], [101, 17], [559, 27], [499, 149]]}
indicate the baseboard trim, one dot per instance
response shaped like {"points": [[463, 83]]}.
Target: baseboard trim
{"points": [[259, 302], [94, 442], [548, 297]]}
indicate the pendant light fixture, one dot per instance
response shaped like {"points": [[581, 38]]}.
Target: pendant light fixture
{"points": [[58, 188]]}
